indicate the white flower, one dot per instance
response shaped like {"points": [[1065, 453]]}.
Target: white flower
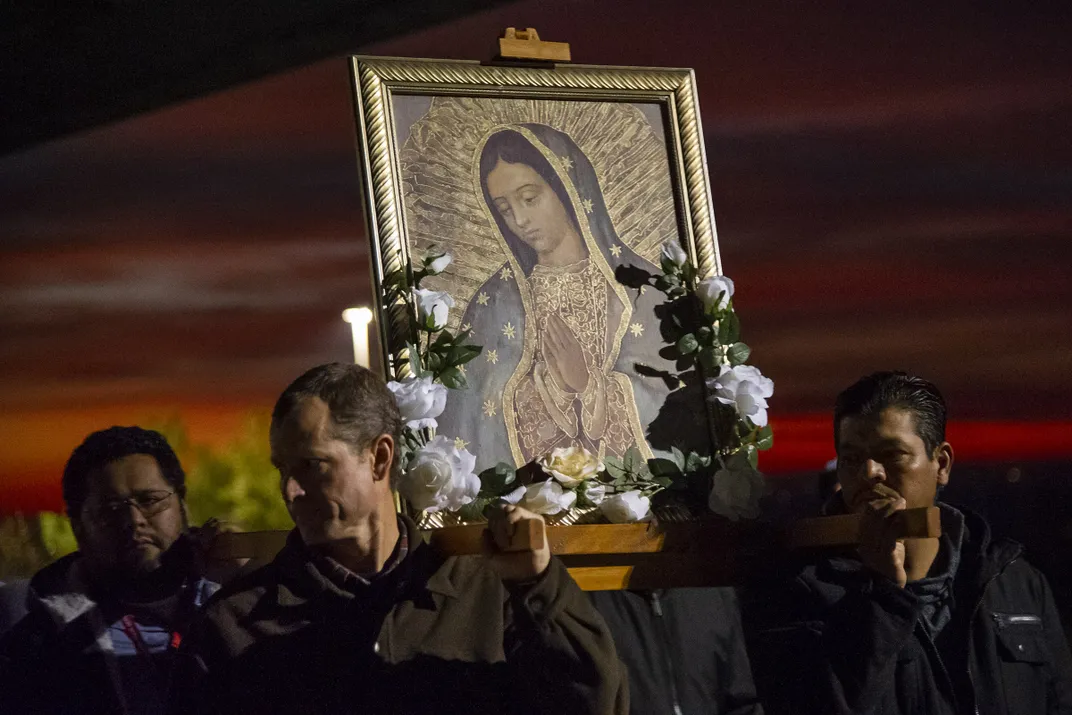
{"points": [[673, 252], [420, 400], [744, 387], [433, 307], [570, 465], [735, 493], [440, 476], [595, 491], [626, 507], [547, 497], [715, 292], [438, 265], [515, 496]]}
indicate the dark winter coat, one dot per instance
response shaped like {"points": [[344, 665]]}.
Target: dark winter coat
{"points": [[838, 638], [684, 649], [70, 655], [434, 635]]}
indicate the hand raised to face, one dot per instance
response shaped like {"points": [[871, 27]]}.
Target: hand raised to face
{"points": [[564, 356], [879, 548]]}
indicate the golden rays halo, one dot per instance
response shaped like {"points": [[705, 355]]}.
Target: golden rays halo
{"points": [[442, 208]]}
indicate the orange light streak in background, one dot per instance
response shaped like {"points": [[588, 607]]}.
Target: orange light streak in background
{"points": [[36, 446]]}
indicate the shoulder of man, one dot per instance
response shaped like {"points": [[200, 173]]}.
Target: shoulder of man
{"points": [[13, 604]]}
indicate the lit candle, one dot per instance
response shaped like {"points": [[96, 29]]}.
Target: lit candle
{"points": [[359, 320]]}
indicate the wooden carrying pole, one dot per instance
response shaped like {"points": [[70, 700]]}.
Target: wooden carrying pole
{"points": [[617, 556]]}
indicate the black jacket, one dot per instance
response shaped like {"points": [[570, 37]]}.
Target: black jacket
{"points": [[684, 650], [836, 638], [62, 656], [432, 635]]}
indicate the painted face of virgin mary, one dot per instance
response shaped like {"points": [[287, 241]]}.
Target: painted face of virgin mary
{"points": [[531, 209]]}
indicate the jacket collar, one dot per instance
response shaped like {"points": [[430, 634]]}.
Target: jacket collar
{"points": [[421, 569]]}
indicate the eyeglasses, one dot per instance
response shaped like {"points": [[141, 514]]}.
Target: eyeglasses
{"points": [[148, 503]]}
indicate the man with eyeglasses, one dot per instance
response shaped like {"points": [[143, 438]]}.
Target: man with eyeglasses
{"points": [[103, 624]]}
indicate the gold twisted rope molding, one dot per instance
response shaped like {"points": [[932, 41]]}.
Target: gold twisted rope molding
{"points": [[377, 78]]}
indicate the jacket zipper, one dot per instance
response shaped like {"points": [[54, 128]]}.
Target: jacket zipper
{"points": [[1004, 620], [657, 609]]}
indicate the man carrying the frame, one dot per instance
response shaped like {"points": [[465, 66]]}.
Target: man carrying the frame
{"points": [[358, 614], [956, 624]]}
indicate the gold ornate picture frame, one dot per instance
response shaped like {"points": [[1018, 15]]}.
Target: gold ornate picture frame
{"points": [[623, 148]]}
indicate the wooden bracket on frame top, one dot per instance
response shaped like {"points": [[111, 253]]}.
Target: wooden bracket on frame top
{"points": [[526, 45]]}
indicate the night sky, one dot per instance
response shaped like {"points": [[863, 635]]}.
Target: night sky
{"points": [[892, 187]]}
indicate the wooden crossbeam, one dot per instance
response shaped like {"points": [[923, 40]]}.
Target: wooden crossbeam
{"points": [[647, 555]]}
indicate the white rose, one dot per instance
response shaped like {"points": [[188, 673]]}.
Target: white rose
{"points": [[626, 507], [440, 477], [744, 387], [433, 307], [515, 496], [595, 491], [570, 465], [548, 498], [438, 265], [420, 400], [673, 252], [715, 292], [735, 493]]}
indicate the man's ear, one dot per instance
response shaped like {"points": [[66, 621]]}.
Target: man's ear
{"points": [[383, 457], [944, 456]]}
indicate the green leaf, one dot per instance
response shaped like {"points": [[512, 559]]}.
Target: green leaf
{"points": [[687, 344], [679, 458], [498, 480], [433, 363], [753, 456], [696, 462], [705, 335], [765, 438], [738, 353], [474, 510], [729, 328], [632, 459], [688, 272], [443, 339], [614, 466], [710, 358], [453, 378], [663, 481], [461, 354], [415, 367], [663, 467]]}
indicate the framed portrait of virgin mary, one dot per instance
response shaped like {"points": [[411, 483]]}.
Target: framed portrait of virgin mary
{"points": [[544, 185]]}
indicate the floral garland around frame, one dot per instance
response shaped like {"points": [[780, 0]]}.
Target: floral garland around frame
{"points": [[703, 332]]}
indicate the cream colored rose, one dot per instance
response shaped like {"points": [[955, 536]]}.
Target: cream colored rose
{"points": [[570, 465]]}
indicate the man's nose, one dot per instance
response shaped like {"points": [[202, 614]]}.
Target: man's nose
{"points": [[131, 516], [873, 471], [291, 489]]}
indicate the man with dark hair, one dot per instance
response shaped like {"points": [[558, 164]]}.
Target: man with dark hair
{"points": [[358, 614], [956, 624], [103, 623]]}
